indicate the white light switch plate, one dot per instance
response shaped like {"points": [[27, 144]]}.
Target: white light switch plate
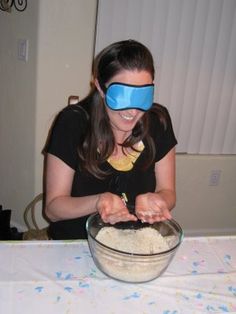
{"points": [[22, 49]]}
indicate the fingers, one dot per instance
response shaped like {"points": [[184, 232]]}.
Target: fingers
{"points": [[154, 216], [151, 208], [148, 216], [119, 215], [151, 216], [112, 209], [114, 218]]}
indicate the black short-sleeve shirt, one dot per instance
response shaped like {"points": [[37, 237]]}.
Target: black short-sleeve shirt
{"points": [[67, 134]]}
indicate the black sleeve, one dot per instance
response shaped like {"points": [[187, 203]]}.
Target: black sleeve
{"points": [[163, 133], [66, 134]]}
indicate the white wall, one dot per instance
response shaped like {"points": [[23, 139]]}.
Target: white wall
{"points": [[61, 36]]}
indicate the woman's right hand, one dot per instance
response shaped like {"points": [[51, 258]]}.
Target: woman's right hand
{"points": [[112, 209]]}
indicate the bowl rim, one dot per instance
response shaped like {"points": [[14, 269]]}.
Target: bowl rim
{"points": [[171, 221]]}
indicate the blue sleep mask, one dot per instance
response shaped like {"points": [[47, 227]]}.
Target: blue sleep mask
{"points": [[121, 96]]}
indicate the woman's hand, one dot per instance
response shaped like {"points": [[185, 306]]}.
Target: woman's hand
{"points": [[112, 209], [152, 207], [156, 206]]}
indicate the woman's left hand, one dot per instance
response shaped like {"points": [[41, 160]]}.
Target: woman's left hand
{"points": [[151, 207]]}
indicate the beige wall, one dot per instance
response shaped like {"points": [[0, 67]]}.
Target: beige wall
{"points": [[60, 35], [65, 52], [202, 208], [17, 109]]}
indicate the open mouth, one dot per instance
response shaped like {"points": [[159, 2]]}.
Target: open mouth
{"points": [[127, 117]]}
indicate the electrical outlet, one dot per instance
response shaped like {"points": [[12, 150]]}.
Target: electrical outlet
{"points": [[214, 177]]}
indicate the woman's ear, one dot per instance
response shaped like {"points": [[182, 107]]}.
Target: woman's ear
{"points": [[96, 83]]}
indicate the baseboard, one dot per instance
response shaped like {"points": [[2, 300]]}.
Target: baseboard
{"points": [[187, 232], [209, 232]]}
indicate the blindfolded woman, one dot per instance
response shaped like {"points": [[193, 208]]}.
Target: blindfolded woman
{"points": [[115, 142]]}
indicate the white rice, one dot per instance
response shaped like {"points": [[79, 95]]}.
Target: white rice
{"points": [[142, 241]]}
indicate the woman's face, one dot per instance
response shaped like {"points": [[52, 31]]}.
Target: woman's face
{"points": [[123, 121]]}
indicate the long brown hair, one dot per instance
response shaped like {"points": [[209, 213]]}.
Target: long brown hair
{"points": [[99, 142]]}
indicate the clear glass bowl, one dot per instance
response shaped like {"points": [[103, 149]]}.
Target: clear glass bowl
{"points": [[130, 267]]}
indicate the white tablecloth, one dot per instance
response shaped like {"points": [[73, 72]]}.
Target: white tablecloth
{"points": [[61, 277]]}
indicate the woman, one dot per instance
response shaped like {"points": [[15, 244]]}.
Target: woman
{"points": [[115, 142]]}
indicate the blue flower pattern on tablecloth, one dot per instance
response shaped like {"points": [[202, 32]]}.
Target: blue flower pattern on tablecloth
{"points": [[76, 283]]}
